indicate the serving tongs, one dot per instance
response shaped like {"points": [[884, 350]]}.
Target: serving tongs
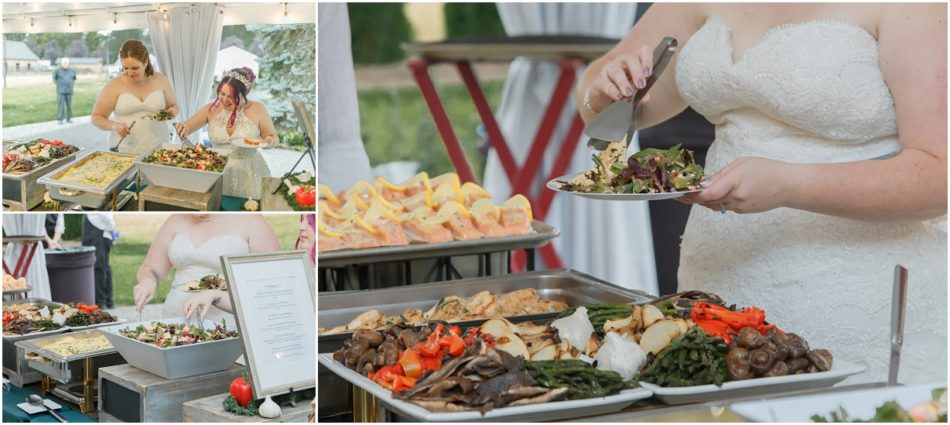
{"points": [[185, 140], [116, 148], [898, 307], [619, 120]]}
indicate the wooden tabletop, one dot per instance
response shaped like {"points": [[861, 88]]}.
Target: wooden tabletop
{"points": [[506, 49]]}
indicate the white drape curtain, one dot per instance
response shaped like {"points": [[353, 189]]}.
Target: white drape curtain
{"points": [[343, 159], [28, 225], [186, 44], [606, 239]]}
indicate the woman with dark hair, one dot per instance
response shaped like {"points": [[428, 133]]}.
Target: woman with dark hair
{"points": [[232, 117], [139, 91]]}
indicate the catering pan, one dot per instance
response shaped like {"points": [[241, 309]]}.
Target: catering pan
{"points": [[569, 286], [176, 362], [85, 195], [66, 368], [542, 234], [21, 188], [200, 181], [39, 302]]}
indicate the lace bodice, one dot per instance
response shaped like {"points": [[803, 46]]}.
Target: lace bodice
{"points": [[194, 261], [243, 127], [811, 92]]}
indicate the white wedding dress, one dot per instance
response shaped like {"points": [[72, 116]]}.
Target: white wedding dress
{"points": [[811, 93], [146, 135], [192, 262], [246, 167]]}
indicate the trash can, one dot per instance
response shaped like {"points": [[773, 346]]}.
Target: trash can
{"points": [[72, 274]]}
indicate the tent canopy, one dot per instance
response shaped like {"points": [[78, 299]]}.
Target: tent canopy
{"points": [[235, 57], [86, 17]]}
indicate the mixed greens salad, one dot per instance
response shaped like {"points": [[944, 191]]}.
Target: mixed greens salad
{"points": [[648, 171], [196, 158], [166, 335]]}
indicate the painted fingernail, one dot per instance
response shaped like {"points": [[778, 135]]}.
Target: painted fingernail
{"points": [[641, 84], [646, 72], [628, 90]]}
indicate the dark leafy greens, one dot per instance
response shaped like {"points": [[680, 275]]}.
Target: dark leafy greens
{"points": [[648, 171]]}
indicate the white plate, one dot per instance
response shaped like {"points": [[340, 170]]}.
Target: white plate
{"points": [[553, 411], [556, 186], [239, 142], [753, 387], [859, 404]]}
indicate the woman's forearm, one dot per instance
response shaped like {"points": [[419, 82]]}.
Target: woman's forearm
{"points": [[102, 122], [910, 186], [147, 274]]}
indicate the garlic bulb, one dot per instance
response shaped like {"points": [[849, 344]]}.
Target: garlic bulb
{"points": [[575, 328], [621, 355], [269, 409]]}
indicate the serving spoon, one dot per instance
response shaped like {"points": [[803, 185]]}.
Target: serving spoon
{"points": [[38, 401]]}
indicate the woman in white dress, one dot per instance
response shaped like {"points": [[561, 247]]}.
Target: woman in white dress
{"points": [[803, 97], [231, 116], [193, 244], [139, 92]]}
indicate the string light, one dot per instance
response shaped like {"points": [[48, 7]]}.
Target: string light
{"points": [[115, 18], [32, 23], [285, 10], [70, 17]]}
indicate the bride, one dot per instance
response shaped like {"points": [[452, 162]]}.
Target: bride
{"points": [[230, 117], [137, 93], [192, 245], [797, 218]]}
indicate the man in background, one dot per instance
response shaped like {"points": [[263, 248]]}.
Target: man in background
{"points": [[64, 77], [99, 231]]}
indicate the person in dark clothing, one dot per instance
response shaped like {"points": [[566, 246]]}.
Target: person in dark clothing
{"points": [[99, 231], [55, 227], [64, 77]]}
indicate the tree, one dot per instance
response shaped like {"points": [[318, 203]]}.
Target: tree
{"points": [[77, 49], [51, 51], [102, 53], [231, 41], [287, 70], [377, 32], [472, 19]]}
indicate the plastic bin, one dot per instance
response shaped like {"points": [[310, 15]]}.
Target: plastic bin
{"points": [[72, 275]]}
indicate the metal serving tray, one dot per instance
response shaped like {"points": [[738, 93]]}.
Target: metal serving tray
{"points": [[569, 286], [66, 369], [37, 172], [176, 362], [177, 177], [40, 302], [87, 196], [543, 233]]}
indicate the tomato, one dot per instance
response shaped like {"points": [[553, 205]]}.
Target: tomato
{"points": [[306, 196], [241, 391]]}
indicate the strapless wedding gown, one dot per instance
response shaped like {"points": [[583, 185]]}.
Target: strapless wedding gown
{"points": [[811, 93], [246, 167], [146, 135], [192, 262]]}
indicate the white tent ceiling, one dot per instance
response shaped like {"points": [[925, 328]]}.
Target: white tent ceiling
{"points": [[85, 17]]}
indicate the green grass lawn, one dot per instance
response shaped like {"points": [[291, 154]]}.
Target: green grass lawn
{"points": [[37, 103], [396, 126], [137, 231]]}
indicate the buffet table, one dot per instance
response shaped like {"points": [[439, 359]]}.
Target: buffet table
{"points": [[13, 396]]}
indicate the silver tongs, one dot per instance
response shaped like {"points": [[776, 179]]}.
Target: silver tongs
{"points": [[620, 119], [898, 306], [184, 139]]}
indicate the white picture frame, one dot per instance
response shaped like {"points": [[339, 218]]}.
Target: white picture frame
{"points": [[274, 300]]}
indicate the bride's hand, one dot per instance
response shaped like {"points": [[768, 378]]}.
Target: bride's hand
{"points": [[201, 303], [142, 293], [173, 110], [748, 185], [271, 141], [121, 128], [182, 129], [620, 79]]}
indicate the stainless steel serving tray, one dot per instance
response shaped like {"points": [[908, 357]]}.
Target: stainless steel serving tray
{"points": [[87, 196], [543, 233], [569, 286], [62, 368], [40, 302], [39, 171]]}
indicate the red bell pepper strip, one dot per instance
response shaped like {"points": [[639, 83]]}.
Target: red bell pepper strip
{"points": [[411, 363], [750, 317], [432, 363], [716, 328], [456, 345], [429, 348]]}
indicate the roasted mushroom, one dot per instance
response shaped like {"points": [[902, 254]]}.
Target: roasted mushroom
{"points": [[750, 338], [761, 360], [737, 364], [409, 337], [352, 355], [779, 352], [796, 345], [388, 352], [797, 364], [372, 337], [821, 359], [779, 369], [366, 362]]}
